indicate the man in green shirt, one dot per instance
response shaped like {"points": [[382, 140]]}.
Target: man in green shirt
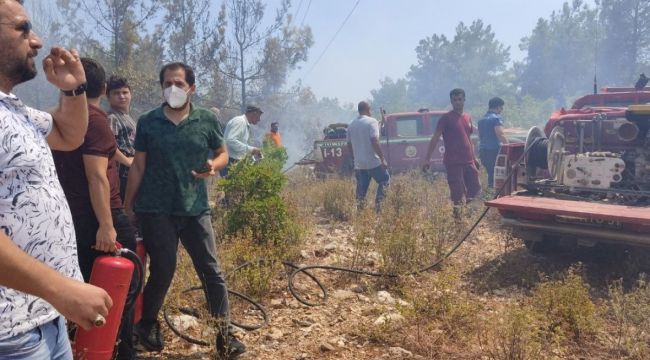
{"points": [[178, 146]]}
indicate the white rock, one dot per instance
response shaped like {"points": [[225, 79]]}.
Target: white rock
{"points": [[325, 347], [330, 247], [274, 334], [276, 303], [399, 353], [384, 297], [184, 322], [403, 303], [389, 318], [363, 298], [302, 323]]}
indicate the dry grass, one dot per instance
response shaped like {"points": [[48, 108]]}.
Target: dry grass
{"points": [[453, 312]]}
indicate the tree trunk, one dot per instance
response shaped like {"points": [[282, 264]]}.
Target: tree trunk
{"points": [[243, 79]]}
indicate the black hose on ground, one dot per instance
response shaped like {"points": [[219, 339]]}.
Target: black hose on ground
{"points": [[305, 269]]}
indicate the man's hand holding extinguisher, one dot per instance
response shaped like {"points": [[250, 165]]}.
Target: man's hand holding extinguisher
{"points": [[78, 302]]}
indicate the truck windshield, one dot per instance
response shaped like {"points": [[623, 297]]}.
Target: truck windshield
{"points": [[409, 126]]}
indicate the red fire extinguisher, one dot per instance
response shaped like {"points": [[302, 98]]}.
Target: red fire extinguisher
{"points": [[113, 273]]}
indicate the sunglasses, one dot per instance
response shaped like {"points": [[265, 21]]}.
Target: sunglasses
{"points": [[25, 27]]}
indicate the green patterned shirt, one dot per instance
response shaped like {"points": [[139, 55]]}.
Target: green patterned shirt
{"points": [[172, 152]]}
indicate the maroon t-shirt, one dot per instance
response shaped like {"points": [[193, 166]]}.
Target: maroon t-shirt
{"points": [[99, 141], [456, 129]]}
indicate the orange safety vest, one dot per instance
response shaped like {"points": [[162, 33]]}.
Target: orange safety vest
{"points": [[275, 137]]}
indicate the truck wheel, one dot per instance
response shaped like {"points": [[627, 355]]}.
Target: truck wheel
{"points": [[548, 245], [538, 243]]}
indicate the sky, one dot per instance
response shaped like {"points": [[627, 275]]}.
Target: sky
{"points": [[380, 37]]}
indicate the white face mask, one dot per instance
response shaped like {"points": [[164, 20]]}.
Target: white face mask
{"points": [[175, 96]]}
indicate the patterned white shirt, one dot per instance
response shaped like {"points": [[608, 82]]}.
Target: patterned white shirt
{"points": [[33, 210]]}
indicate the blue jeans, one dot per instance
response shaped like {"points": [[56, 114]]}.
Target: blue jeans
{"points": [[382, 178], [488, 160], [48, 341]]}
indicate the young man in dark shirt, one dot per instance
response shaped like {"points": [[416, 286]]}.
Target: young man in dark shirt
{"points": [[122, 124], [460, 162], [90, 182]]}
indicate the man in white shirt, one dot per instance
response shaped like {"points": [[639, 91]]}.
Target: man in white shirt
{"points": [[369, 162], [237, 136], [39, 274]]}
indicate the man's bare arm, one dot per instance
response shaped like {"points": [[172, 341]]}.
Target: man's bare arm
{"points": [[70, 123], [122, 159], [432, 146], [498, 130], [100, 200], [76, 301], [64, 70], [218, 162], [377, 148]]}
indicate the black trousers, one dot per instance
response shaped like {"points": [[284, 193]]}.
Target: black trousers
{"points": [[161, 234], [224, 172], [86, 227]]}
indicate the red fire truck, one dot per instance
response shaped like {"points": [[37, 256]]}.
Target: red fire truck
{"points": [[583, 181], [404, 141]]}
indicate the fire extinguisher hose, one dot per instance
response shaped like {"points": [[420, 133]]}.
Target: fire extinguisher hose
{"points": [[139, 279]]}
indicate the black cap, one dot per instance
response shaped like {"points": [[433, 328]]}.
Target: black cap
{"points": [[253, 108]]}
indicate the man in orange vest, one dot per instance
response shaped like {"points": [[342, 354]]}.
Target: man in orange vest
{"points": [[274, 135]]}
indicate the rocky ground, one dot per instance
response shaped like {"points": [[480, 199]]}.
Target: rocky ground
{"points": [[496, 270]]}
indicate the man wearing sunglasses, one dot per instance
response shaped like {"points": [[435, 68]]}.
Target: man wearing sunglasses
{"points": [[39, 274]]}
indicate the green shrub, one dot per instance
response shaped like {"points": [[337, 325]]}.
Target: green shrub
{"points": [[254, 203], [566, 306], [630, 313]]}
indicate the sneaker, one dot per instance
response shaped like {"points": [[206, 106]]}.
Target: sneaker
{"points": [[149, 336], [232, 350]]}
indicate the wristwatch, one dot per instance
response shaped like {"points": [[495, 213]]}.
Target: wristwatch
{"points": [[78, 91]]}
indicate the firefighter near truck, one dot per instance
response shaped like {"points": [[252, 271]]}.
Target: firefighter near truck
{"points": [[583, 181], [404, 140]]}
